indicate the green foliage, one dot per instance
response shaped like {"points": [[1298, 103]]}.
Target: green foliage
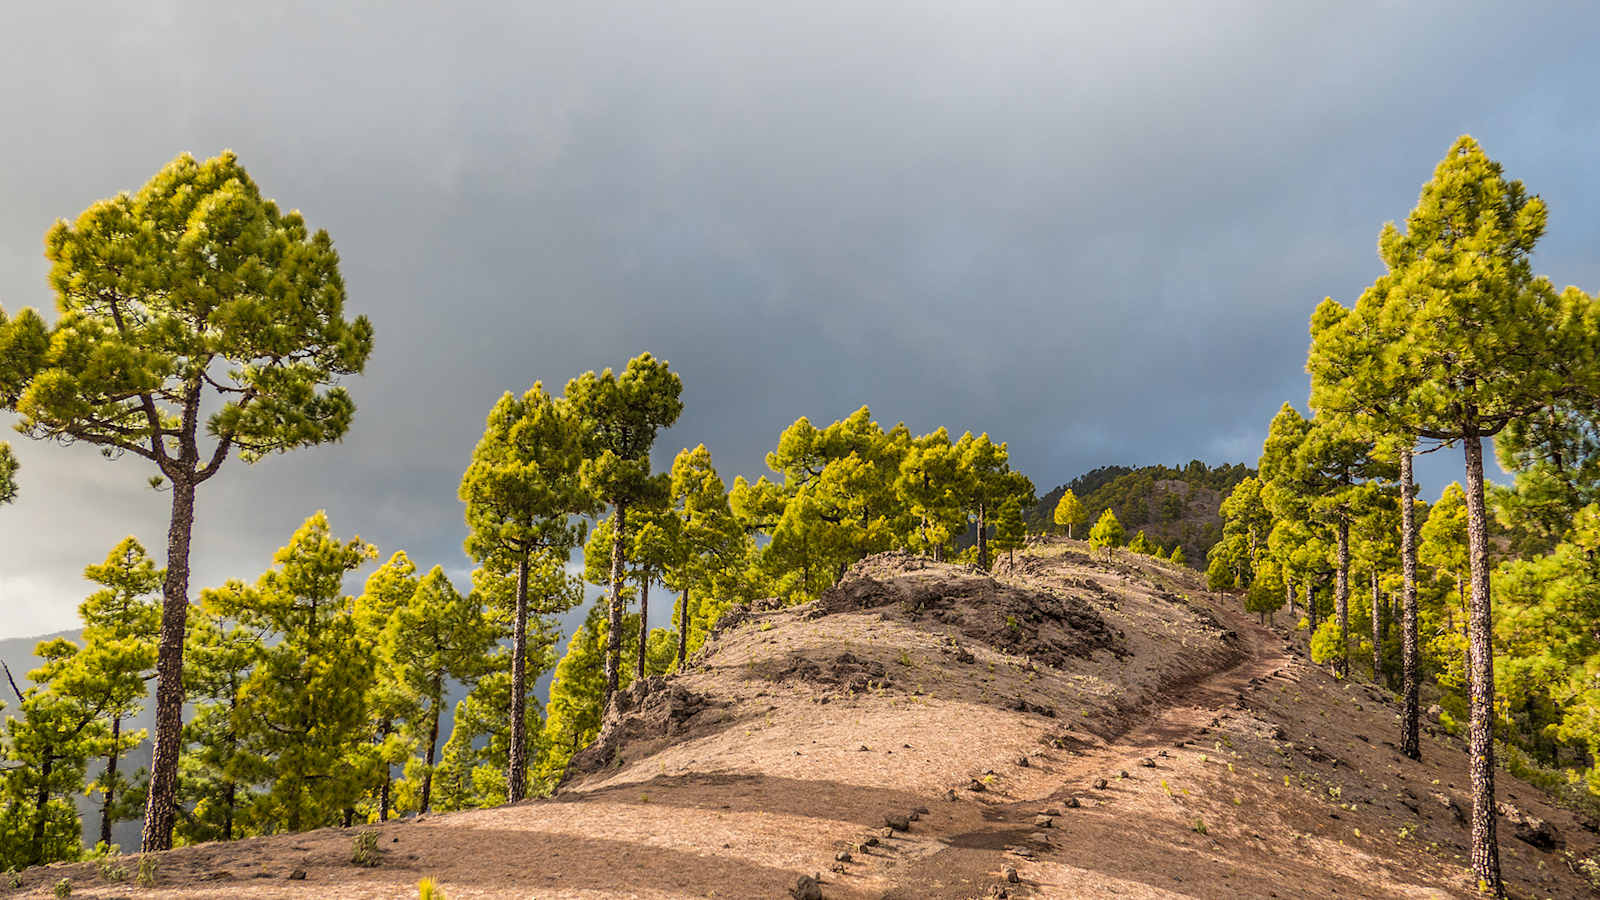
{"points": [[149, 866], [1265, 595], [1107, 533], [428, 890], [1177, 556], [302, 712], [1141, 544], [1156, 498], [711, 555], [191, 308], [1328, 643], [8, 468], [364, 849], [436, 637], [47, 749], [120, 622], [1010, 532], [1069, 511]]}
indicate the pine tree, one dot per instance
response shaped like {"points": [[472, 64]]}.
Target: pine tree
{"points": [[712, 551], [619, 417], [119, 625], [219, 657], [193, 294], [522, 490], [1010, 532], [1070, 511], [1333, 471], [928, 484], [60, 729], [475, 770], [437, 637], [1177, 556], [578, 691], [1482, 343], [986, 481], [837, 501], [391, 702], [1107, 533], [1140, 543], [302, 715]]}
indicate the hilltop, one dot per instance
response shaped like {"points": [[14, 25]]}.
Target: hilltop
{"points": [[1096, 727], [1171, 505]]}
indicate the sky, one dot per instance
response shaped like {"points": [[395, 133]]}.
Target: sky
{"points": [[1095, 231]]}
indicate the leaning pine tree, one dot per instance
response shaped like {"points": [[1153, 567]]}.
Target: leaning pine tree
{"points": [[194, 293], [1475, 342]]}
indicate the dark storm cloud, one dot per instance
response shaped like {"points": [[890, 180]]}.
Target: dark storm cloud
{"points": [[1094, 232]]}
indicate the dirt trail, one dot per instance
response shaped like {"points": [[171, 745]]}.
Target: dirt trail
{"points": [[1009, 835]]}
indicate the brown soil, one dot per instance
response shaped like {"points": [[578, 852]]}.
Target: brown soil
{"points": [[1173, 747]]}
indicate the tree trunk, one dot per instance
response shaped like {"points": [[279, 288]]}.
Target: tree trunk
{"points": [[614, 616], [983, 537], [517, 757], [683, 629], [433, 743], [383, 790], [1377, 630], [1485, 848], [160, 805], [1288, 593], [644, 624], [41, 808], [1341, 598], [227, 811], [111, 780]]}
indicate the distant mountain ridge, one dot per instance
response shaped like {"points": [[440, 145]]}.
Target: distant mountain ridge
{"points": [[1171, 505]]}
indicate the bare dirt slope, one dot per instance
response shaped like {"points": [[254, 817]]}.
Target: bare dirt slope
{"points": [[923, 730]]}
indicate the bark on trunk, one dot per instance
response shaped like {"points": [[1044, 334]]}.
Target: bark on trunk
{"points": [[614, 613], [160, 805], [983, 537], [227, 813], [644, 625], [41, 809], [433, 744], [1288, 593], [1377, 630], [517, 757], [111, 780], [683, 629], [1341, 599], [383, 790], [1485, 848]]}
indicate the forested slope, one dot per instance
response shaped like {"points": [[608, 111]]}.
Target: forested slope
{"points": [[1173, 506]]}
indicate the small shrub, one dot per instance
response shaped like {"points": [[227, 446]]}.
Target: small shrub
{"points": [[63, 888], [111, 869], [147, 870], [366, 851], [428, 890], [13, 878], [1199, 826]]}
